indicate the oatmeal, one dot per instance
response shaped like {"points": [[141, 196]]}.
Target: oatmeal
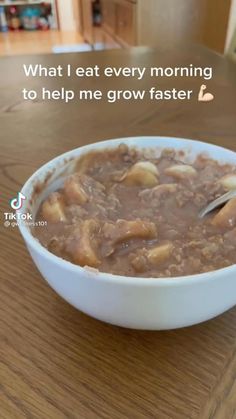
{"points": [[128, 214]]}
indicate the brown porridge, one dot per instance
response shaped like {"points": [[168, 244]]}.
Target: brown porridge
{"points": [[128, 214]]}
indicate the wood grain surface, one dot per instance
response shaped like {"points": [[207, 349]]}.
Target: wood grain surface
{"points": [[56, 362]]}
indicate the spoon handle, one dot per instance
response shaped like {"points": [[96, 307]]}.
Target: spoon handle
{"points": [[217, 202]]}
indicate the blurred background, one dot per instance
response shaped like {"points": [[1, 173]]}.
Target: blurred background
{"points": [[34, 26]]}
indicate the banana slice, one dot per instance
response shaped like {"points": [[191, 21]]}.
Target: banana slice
{"points": [[74, 191], [82, 244], [181, 171], [160, 254], [226, 217], [53, 208], [165, 188], [228, 181], [79, 189], [148, 166], [142, 174], [124, 230]]}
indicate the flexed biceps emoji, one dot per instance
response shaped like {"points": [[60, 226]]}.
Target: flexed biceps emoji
{"points": [[204, 97], [16, 203]]}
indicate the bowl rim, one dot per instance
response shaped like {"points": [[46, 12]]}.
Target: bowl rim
{"points": [[109, 277]]}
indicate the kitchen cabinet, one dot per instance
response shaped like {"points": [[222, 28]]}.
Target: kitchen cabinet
{"points": [[126, 23], [160, 23], [87, 20], [119, 22]]}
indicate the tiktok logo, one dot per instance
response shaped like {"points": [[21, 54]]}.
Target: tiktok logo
{"points": [[17, 203]]}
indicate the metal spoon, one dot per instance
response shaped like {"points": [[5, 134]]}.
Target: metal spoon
{"points": [[217, 202]]}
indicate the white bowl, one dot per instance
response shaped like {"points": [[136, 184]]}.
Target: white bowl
{"points": [[139, 303]]}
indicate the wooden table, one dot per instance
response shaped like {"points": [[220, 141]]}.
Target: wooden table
{"points": [[55, 361]]}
